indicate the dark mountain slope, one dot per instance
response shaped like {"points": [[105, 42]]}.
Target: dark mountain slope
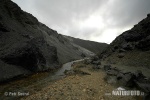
{"points": [[28, 46], [131, 47], [95, 47]]}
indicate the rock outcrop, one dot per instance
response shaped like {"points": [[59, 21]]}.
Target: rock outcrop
{"points": [[132, 47]]}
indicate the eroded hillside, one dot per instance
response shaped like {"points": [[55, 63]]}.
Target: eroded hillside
{"points": [[131, 48]]}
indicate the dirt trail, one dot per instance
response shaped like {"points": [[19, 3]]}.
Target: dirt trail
{"points": [[79, 87]]}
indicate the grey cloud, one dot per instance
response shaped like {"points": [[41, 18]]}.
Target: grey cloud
{"points": [[65, 16], [128, 12], [62, 12], [84, 33]]}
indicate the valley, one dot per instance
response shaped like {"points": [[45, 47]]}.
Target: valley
{"points": [[38, 63]]}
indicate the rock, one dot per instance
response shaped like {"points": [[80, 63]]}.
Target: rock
{"points": [[116, 47], [124, 79], [121, 50], [83, 55], [131, 35], [94, 58], [99, 66], [110, 79], [77, 71], [3, 28], [148, 15], [96, 62], [128, 80], [107, 67], [84, 90], [87, 61], [120, 75], [69, 72], [96, 67], [144, 86], [9, 72], [121, 55], [144, 44], [139, 76], [112, 72], [27, 36], [127, 46], [31, 57]]}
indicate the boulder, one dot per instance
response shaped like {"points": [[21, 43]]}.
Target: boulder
{"points": [[116, 47], [127, 46], [128, 80], [139, 76], [83, 55], [112, 72], [96, 67], [125, 79], [110, 79], [9, 72], [96, 62], [148, 15], [120, 75], [32, 57], [144, 44], [121, 55], [3, 28], [107, 67], [94, 58]]}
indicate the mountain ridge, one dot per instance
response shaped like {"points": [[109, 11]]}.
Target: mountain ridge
{"points": [[93, 46]]}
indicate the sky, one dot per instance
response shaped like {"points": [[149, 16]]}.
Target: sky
{"points": [[95, 20]]}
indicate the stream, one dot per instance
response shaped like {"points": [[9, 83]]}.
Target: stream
{"points": [[32, 84]]}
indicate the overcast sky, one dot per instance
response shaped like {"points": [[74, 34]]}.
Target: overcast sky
{"points": [[96, 20]]}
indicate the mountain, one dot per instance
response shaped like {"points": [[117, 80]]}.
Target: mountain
{"points": [[95, 47], [28, 46], [132, 47]]}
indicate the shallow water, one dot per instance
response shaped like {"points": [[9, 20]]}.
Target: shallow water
{"points": [[67, 66]]}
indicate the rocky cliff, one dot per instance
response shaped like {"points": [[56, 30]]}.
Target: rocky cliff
{"points": [[28, 46], [132, 47]]}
